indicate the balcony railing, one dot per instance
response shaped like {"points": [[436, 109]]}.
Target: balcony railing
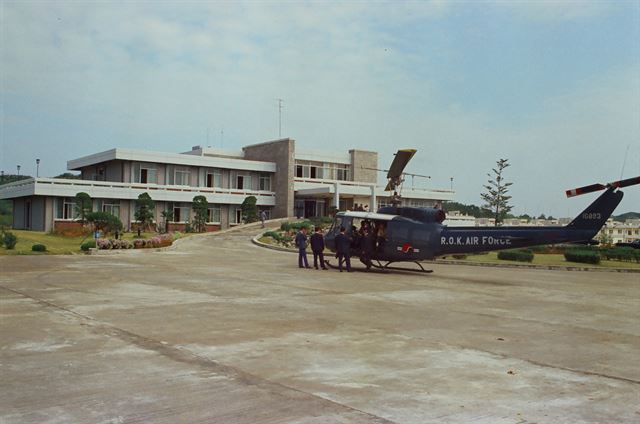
{"points": [[69, 187]]}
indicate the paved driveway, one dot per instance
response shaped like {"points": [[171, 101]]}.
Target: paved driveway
{"points": [[219, 330]]}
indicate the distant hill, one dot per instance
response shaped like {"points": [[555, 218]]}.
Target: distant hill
{"points": [[629, 215]]}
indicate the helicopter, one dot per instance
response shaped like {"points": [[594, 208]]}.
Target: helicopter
{"points": [[411, 234]]}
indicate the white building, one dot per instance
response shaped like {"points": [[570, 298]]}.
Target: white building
{"points": [[285, 183]]}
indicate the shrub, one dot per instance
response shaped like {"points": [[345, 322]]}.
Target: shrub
{"points": [[302, 224], [459, 256], [104, 221], [104, 244], [582, 256], [285, 226], [39, 248], [516, 255], [274, 235], [91, 244], [9, 239]]}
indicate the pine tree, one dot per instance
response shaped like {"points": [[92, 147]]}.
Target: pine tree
{"points": [[200, 208], [84, 206], [145, 208], [496, 198]]}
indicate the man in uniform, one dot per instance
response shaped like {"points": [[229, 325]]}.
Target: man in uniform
{"points": [[343, 249], [317, 246], [301, 242]]}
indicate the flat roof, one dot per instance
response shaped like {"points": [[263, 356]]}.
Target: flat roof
{"points": [[170, 158]]}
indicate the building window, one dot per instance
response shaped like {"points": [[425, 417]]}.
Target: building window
{"points": [[235, 215], [66, 208], [180, 212], [265, 183], [299, 171], [214, 179], [182, 177], [243, 182], [342, 173], [148, 176], [213, 214], [112, 207]]}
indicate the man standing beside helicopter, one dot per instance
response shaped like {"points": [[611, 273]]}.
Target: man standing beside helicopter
{"points": [[343, 249], [301, 243]]}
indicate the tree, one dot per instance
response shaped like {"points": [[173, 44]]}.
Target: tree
{"points": [[69, 176], [496, 198], [200, 208], [145, 208], [249, 209], [104, 221], [167, 216], [84, 205]]}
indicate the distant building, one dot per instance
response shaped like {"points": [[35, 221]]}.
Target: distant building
{"points": [[619, 232], [285, 182]]}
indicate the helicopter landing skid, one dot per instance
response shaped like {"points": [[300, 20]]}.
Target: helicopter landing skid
{"points": [[387, 267], [373, 268]]}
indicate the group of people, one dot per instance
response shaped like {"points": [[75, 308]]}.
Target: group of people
{"points": [[365, 240], [317, 247]]}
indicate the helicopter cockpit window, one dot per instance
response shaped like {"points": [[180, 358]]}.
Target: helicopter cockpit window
{"points": [[346, 223]]}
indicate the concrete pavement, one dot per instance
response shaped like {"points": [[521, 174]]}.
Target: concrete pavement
{"points": [[220, 330]]}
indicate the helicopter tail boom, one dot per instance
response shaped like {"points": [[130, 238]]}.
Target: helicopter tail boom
{"points": [[581, 230]]}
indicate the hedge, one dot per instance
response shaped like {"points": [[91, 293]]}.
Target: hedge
{"points": [[516, 255], [582, 256], [627, 254]]}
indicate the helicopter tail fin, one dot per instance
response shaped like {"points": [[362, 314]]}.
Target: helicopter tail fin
{"points": [[597, 213]]}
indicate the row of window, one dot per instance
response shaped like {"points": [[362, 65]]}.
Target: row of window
{"points": [[66, 209], [322, 171], [148, 174], [629, 232]]}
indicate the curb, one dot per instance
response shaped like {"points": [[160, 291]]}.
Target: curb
{"points": [[255, 240], [178, 242]]}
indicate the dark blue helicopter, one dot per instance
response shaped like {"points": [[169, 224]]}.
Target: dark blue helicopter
{"points": [[408, 234]]}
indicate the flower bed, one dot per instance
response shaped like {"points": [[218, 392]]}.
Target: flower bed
{"points": [[161, 240]]}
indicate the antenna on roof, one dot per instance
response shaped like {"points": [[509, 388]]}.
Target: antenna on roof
{"points": [[222, 138]]}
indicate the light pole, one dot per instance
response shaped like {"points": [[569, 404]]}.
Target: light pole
{"points": [[37, 168], [18, 166], [451, 183]]}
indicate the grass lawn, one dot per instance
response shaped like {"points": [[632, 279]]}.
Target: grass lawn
{"points": [[549, 259], [56, 245]]}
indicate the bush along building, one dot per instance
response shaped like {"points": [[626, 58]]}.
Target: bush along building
{"points": [[285, 183]]}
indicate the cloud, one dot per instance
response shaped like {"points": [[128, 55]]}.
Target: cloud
{"points": [[80, 78]]}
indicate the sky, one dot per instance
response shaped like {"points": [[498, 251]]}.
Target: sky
{"points": [[552, 86]]}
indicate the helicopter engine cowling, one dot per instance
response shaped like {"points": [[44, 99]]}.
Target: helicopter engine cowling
{"points": [[426, 215]]}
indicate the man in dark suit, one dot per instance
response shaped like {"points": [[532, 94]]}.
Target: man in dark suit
{"points": [[343, 249], [301, 243], [317, 246]]}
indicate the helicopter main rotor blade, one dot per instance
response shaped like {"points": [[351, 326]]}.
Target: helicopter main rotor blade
{"points": [[400, 162], [586, 189], [597, 187], [625, 183]]}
